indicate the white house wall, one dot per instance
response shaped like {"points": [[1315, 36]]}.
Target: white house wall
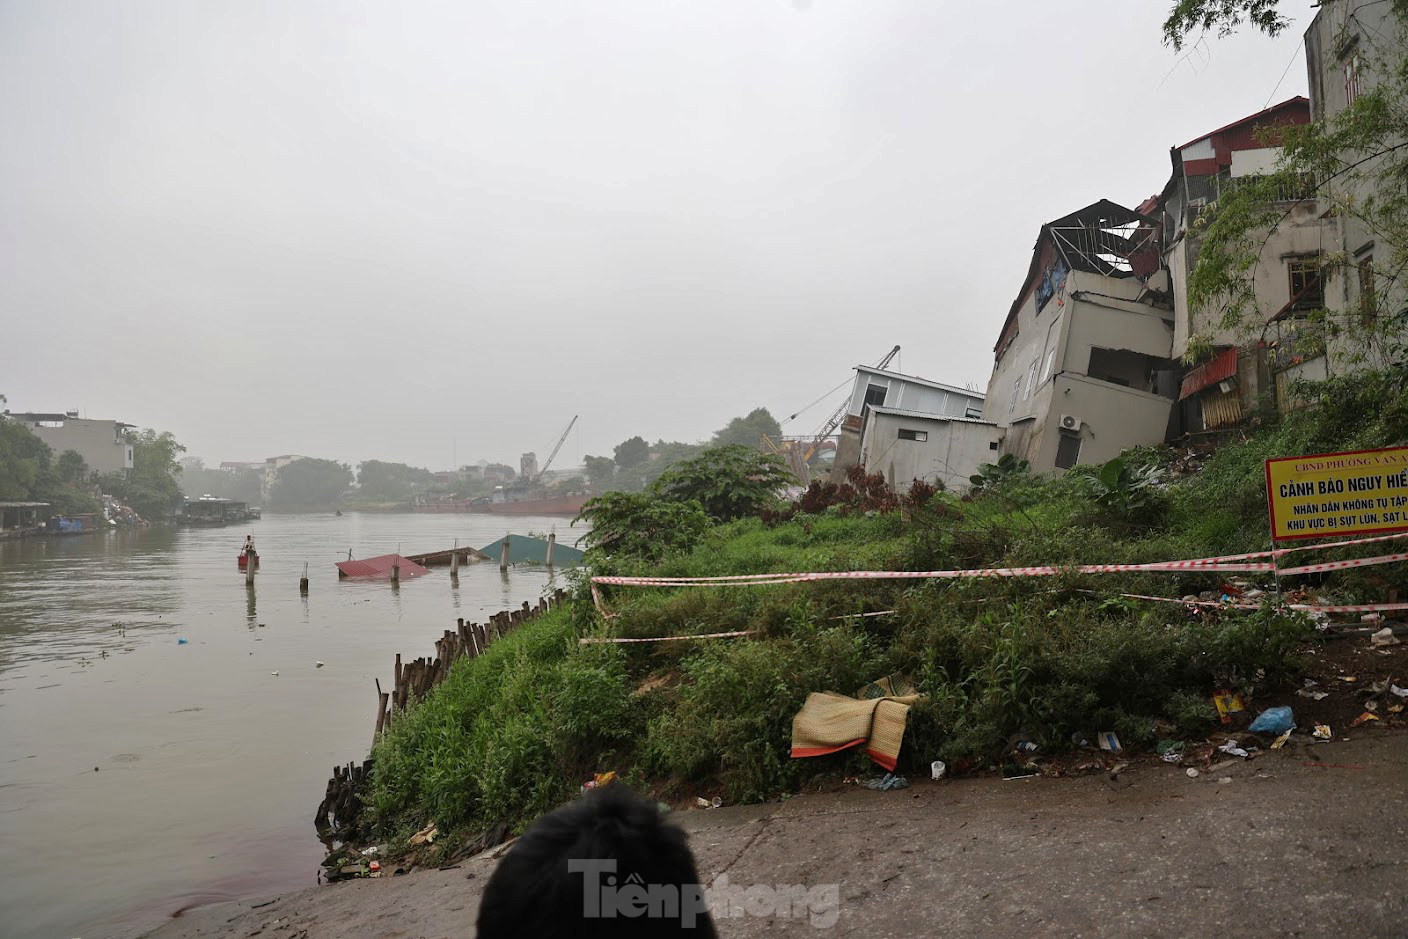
{"points": [[953, 451], [1114, 419]]}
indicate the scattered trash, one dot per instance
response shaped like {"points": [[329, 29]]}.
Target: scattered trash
{"points": [[275, 674], [317, 664], [1384, 637], [937, 769], [716, 802], [1108, 741], [1165, 747], [1371, 705], [426, 835], [1227, 704], [1172, 756], [704, 803], [1313, 695], [375, 866], [1364, 718], [887, 782], [1027, 746], [1232, 748], [1273, 721], [599, 779], [373, 851], [1192, 773], [1322, 732], [1280, 741], [1079, 739], [1225, 780], [182, 641], [1401, 692], [1395, 709], [1346, 678], [1371, 617]]}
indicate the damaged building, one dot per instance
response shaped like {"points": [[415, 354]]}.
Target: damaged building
{"points": [[1084, 363], [906, 428], [1256, 363]]}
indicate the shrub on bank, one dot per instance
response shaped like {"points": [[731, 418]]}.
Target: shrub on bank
{"points": [[515, 731]]}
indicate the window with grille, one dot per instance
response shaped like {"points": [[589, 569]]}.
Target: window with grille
{"points": [[1306, 290], [919, 435], [1351, 78]]}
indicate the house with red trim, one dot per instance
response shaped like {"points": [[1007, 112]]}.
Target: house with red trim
{"points": [[1255, 363]]}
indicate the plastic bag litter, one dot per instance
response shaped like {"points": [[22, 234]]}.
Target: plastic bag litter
{"points": [[889, 781], [1232, 748], [1273, 721], [938, 769], [1384, 637]]}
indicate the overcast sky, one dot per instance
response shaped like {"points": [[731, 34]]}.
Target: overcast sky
{"points": [[408, 230]]}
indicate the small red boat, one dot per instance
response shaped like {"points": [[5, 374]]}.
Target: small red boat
{"points": [[244, 562]]}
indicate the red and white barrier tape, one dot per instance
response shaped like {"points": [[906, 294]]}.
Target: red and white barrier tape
{"points": [[593, 641], [1231, 563]]}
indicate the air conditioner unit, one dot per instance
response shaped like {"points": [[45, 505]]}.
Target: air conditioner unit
{"points": [[1070, 422]]}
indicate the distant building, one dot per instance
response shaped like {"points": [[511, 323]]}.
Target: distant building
{"points": [[1082, 367], [235, 466], [875, 387], [102, 444], [528, 465]]}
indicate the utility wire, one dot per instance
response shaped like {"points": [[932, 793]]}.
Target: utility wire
{"points": [[1294, 55]]}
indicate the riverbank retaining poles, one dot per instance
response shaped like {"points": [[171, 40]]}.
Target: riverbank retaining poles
{"points": [[251, 560], [455, 561], [503, 555], [303, 581], [552, 540]]}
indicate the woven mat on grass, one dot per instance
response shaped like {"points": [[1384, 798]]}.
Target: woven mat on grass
{"points": [[829, 722]]}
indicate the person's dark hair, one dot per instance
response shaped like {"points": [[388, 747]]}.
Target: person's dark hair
{"points": [[538, 891]]}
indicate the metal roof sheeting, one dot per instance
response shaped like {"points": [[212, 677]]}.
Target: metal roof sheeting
{"points": [[1210, 373], [927, 416], [379, 567]]}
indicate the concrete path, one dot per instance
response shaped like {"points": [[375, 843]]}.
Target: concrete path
{"points": [[1284, 848]]}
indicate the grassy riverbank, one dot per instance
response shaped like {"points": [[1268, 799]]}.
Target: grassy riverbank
{"points": [[516, 730]]}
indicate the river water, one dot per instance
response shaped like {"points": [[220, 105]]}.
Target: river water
{"points": [[139, 775]]}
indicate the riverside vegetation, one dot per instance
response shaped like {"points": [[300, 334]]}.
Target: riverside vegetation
{"points": [[513, 732]]}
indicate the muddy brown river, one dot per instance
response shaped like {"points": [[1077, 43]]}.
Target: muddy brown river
{"points": [[140, 775]]}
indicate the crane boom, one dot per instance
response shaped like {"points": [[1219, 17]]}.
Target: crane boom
{"points": [[553, 455], [835, 420]]}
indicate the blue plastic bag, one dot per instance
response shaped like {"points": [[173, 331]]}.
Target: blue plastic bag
{"points": [[1273, 721]]}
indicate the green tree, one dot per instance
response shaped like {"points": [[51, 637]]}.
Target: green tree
{"points": [[310, 484], [150, 486], [24, 460], [601, 471], [1224, 16], [390, 482], [71, 467], [729, 482], [632, 452], [638, 524], [748, 431]]}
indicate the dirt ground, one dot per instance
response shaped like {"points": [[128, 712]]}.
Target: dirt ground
{"points": [[1311, 840]]}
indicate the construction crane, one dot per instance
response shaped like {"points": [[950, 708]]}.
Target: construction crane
{"points": [[553, 455], [839, 415], [798, 452]]}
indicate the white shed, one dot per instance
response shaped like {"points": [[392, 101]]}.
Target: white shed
{"points": [[904, 445]]}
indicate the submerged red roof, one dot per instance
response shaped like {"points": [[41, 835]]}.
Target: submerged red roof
{"points": [[379, 567]]}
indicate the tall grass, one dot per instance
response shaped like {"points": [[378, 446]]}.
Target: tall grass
{"points": [[515, 731]]}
